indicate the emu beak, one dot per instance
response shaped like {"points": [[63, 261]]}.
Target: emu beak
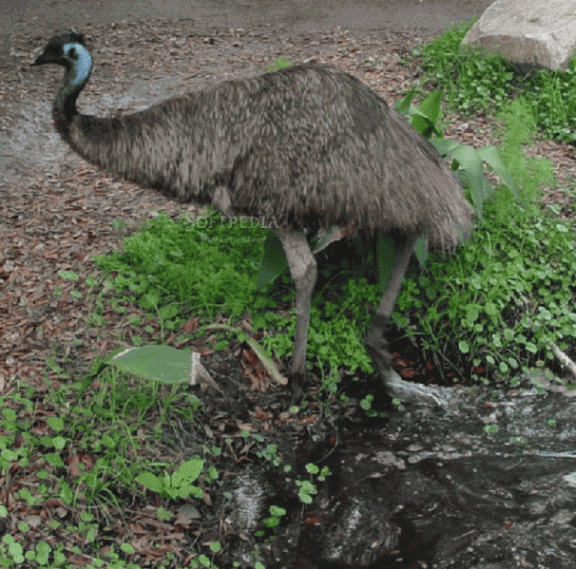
{"points": [[39, 61], [43, 58]]}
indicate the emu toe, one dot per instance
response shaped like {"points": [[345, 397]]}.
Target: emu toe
{"points": [[395, 386]]}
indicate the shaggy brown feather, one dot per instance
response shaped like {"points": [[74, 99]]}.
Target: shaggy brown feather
{"points": [[306, 146]]}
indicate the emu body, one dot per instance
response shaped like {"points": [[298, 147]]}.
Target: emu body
{"points": [[308, 146]]}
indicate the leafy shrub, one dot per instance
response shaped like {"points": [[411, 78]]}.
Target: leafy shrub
{"points": [[505, 296], [170, 261], [475, 80]]}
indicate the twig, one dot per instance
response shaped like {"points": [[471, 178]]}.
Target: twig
{"points": [[564, 359], [199, 374]]}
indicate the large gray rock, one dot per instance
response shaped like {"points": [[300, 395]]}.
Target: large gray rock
{"points": [[528, 32]]}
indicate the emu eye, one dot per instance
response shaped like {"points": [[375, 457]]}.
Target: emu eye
{"points": [[72, 53]]}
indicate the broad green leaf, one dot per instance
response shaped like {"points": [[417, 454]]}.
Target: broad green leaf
{"points": [[150, 481], [272, 522], [188, 471], [445, 146], [489, 154], [430, 106], [56, 423], [422, 124], [273, 261], [158, 362], [425, 116], [404, 105], [471, 168]]}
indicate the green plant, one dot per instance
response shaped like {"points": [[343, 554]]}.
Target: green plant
{"points": [[475, 80], [178, 484], [270, 453], [275, 514], [467, 162], [306, 491], [307, 488], [321, 474], [366, 404], [502, 303]]}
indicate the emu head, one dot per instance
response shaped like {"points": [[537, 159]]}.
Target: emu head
{"points": [[62, 50]]}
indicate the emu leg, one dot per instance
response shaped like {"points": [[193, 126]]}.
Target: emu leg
{"points": [[376, 344], [303, 272]]}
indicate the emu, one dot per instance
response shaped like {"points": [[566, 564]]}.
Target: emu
{"points": [[305, 147]]}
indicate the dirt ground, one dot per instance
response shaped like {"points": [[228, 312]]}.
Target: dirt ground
{"points": [[296, 15], [43, 18]]}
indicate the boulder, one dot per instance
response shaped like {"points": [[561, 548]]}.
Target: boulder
{"points": [[528, 32]]}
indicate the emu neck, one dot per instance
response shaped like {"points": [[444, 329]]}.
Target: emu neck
{"points": [[74, 80]]}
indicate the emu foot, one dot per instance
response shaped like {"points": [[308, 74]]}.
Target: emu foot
{"points": [[395, 386], [408, 392]]}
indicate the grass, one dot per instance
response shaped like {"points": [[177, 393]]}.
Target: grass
{"points": [[86, 452], [177, 270], [168, 265], [102, 445], [475, 82]]}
